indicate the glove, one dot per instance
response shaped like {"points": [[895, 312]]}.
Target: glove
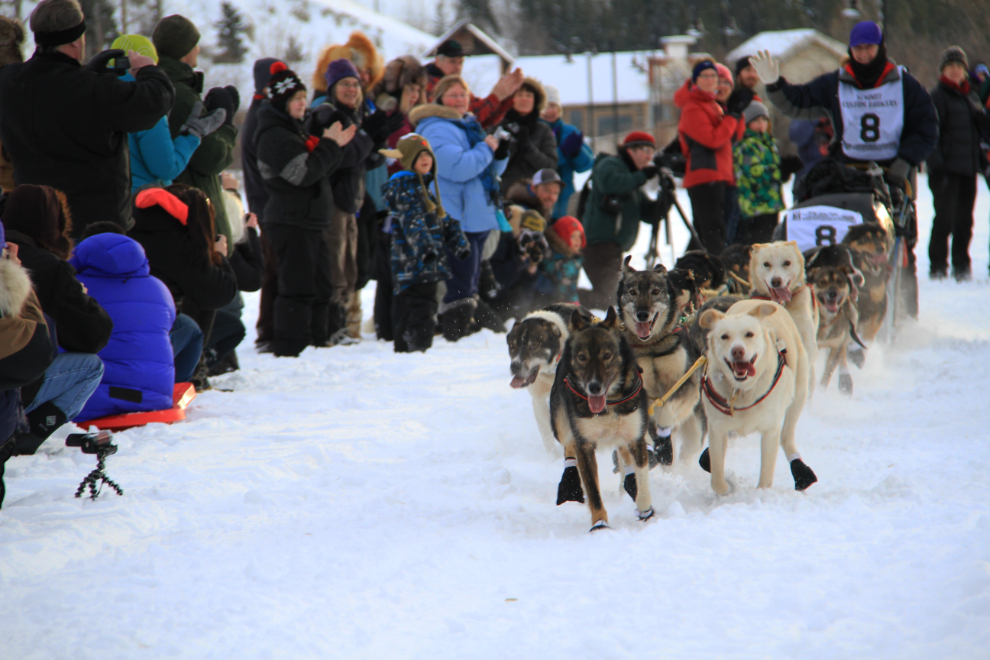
{"points": [[502, 152], [235, 100], [898, 172], [789, 165], [319, 119], [98, 62], [219, 97], [738, 101], [201, 126], [376, 125], [463, 253], [571, 145], [650, 171], [767, 67]]}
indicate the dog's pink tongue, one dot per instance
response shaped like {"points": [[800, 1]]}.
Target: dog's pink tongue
{"points": [[832, 307], [643, 329], [596, 403], [781, 295], [518, 381], [747, 367]]}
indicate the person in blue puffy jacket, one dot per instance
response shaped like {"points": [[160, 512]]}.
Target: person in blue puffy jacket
{"points": [[139, 368], [155, 156]]}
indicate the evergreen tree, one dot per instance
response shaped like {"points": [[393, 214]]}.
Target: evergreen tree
{"points": [[101, 26], [230, 31]]}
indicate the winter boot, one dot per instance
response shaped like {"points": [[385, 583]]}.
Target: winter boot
{"points": [[569, 489], [339, 334], [225, 365], [6, 451], [43, 420], [455, 320], [200, 379], [488, 286], [803, 475]]}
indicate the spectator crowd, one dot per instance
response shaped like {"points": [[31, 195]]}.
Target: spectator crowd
{"points": [[127, 244]]}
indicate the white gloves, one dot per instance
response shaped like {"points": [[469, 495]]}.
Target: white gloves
{"points": [[766, 66]]}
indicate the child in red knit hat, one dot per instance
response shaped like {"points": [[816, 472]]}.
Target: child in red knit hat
{"points": [[563, 265]]}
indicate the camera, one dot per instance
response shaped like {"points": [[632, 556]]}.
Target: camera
{"points": [[673, 161], [501, 134], [612, 204], [122, 63]]}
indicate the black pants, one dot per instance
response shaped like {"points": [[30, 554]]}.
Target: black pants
{"points": [[603, 265], [228, 333], [383, 290], [302, 306], [758, 229], [954, 196], [269, 290], [414, 317], [708, 215]]}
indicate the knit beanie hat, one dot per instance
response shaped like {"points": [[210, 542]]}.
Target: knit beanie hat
{"points": [[407, 151], [742, 63], [700, 67], [640, 138], [865, 32], [723, 72], [451, 48], [553, 94], [139, 43], [283, 85], [755, 110], [263, 73], [175, 36], [953, 54], [340, 69], [566, 226]]}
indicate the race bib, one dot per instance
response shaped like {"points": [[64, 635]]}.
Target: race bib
{"points": [[872, 119], [816, 226]]}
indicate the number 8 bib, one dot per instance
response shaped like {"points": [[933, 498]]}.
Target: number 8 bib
{"points": [[872, 119]]}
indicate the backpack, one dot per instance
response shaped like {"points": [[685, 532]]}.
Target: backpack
{"points": [[586, 189]]}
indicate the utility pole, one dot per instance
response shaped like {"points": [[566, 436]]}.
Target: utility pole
{"points": [[123, 16]]}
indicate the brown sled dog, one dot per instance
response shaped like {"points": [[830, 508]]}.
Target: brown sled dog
{"points": [[598, 400], [870, 245], [647, 303], [836, 282]]}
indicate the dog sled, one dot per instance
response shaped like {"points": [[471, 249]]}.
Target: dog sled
{"points": [[832, 198]]}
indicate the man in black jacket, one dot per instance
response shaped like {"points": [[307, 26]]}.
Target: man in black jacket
{"points": [[65, 125]]}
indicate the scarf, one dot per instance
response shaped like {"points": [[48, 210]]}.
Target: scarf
{"points": [[475, 134], [869, 74]]}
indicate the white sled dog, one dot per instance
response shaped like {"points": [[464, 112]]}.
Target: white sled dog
{"points": [[756, 380]]}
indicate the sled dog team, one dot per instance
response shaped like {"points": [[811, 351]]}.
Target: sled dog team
{"points": [[665, 365]]}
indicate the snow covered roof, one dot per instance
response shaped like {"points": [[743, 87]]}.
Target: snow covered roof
{"points": [[783, 43], [571, 77]]}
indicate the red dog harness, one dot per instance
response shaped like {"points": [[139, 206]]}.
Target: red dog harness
{"points": [[635, 393], [726, 407]]}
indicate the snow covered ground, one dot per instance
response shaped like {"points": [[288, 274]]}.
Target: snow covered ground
{"points": [[358, 504]]}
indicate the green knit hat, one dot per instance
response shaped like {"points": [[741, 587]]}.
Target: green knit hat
{"points": [[407, 152], [139, 43], [175, 36]]}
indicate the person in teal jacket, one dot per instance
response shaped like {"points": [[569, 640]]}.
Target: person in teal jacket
{"points": [[155, 156], [573, 155]]}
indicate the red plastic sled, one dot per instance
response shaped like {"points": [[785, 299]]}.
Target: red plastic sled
{"points": [[182, 396]]}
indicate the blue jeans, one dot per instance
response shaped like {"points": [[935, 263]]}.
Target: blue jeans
{"points": [[187, 345], [464, 275], [69, 382]]}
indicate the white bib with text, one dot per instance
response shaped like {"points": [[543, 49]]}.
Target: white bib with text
{"points": [[872, 119], [817, 226]]}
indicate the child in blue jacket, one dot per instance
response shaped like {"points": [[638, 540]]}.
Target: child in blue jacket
{"points": [[421, 234]]}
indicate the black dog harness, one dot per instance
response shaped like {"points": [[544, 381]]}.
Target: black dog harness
{"points": [[727, 407]]}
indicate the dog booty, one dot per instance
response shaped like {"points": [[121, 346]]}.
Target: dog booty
{"points": [[569, 489], [629, 483], [846, 384], [705, 461], [600, 525], [803, 475], [857, 356], [664, 447]]}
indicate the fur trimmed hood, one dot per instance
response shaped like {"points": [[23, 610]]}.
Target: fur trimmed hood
{"points": [[15, 287], [421, 112], [541, 94], [360, 50]]}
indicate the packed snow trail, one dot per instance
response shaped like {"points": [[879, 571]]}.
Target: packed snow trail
{"points": [[355, 503]]}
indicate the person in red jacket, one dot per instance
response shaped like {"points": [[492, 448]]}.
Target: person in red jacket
{"points": [[706, 133]]}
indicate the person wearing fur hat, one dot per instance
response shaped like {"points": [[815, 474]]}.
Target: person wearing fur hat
{"points": [[759, 175], [706, 133], [177, 41], [573, 155], [490, 110], [532, 146], [562, 264], [422, 234], [64, 125], [155, 156], [297, 170], [613, 210], [954, 164], [37, 220], [468, 166], [359, 51]]}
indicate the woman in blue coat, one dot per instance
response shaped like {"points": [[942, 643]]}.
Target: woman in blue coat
{"points": [[139, 368], [468, 166]]}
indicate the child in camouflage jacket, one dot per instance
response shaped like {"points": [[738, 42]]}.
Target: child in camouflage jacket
{"points": [[421, 235], [758, 178]]}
